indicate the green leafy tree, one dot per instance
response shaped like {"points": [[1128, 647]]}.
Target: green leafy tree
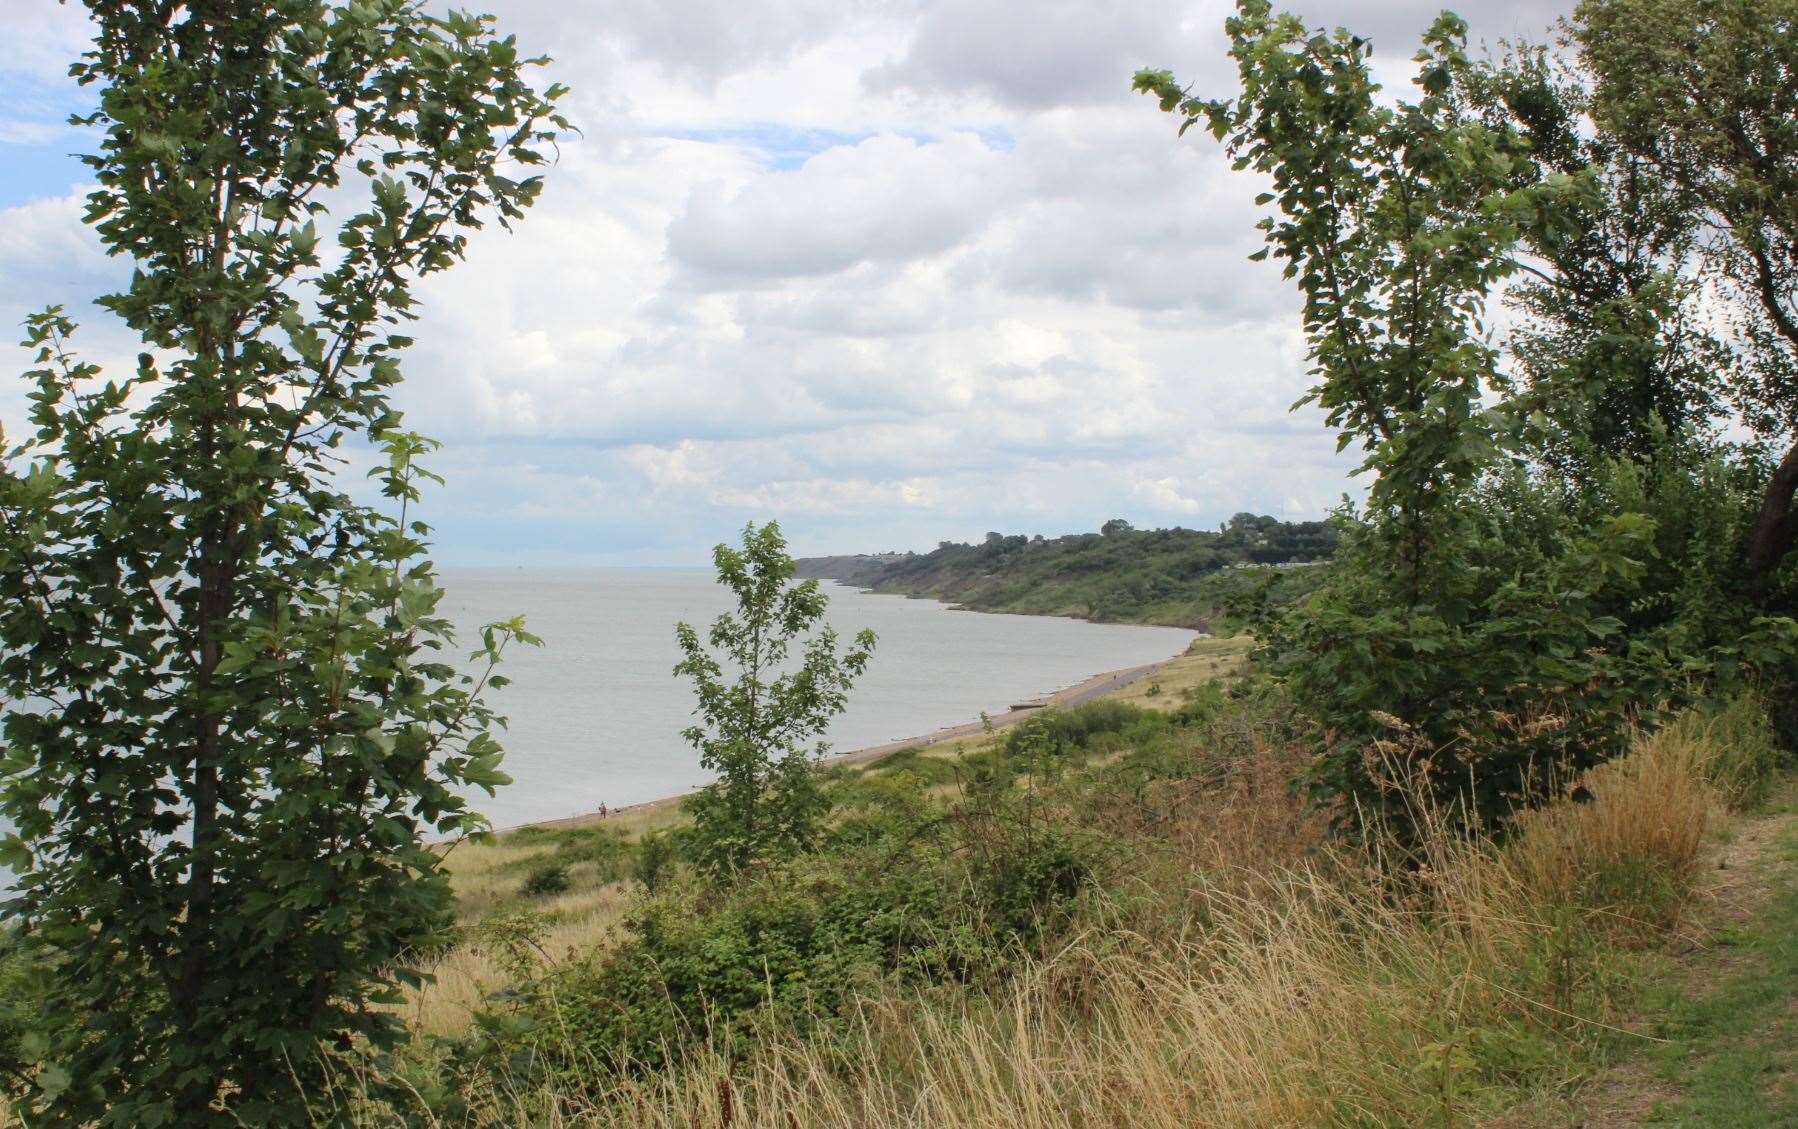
{"points": [[759, 723], [1706, 93], [230, 725], [1484, 621], [1396, 220], [1614, 351]]}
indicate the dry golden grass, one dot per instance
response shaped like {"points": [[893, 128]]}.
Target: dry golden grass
{"points": [[1632, 839], [578, 921], [1318, 990]]}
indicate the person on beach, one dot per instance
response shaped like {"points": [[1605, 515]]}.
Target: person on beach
{"points": [[602, 810]]}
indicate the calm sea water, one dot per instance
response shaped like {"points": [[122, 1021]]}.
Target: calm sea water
{"points": [[596, 714]]}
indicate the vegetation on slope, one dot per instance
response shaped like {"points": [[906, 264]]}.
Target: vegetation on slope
{"points": [[1180, 577], [1562, 535], [1113, 917]]}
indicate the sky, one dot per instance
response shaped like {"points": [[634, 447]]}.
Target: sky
{"points": [[890, 271]]}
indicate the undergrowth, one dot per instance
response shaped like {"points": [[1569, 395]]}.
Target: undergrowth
{"points": [[1167, 948]]}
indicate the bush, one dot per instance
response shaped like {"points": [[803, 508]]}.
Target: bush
{"points": [[1077, 729], [790, 947], [548, 879], [604, 848], [776, 950], [655, 855], [913, 762], [24, 975], [1201, 704], [1552, 624]]}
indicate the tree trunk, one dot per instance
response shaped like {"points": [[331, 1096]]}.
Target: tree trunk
{"points": [[1777, 526]]}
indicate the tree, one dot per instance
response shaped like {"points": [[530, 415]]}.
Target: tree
{"points": [[1115, 526], [1485, 621], [1396, 220], [1706, 92], [754, 725], [1613, 346], [229, 728]]}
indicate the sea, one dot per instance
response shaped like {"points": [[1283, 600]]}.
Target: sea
{"points": [[596, 713]]}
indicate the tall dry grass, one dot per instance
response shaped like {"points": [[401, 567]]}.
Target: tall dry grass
{"points": [[1627, 847], [1332, 989]]}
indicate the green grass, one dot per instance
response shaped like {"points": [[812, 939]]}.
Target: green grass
{"points": [[1733, 1044]]}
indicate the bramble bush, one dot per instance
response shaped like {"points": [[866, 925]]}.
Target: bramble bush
{"points": [[545, 880], [788, 948]]}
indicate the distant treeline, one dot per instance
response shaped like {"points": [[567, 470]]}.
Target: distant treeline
{"points": [[1182, 577]]}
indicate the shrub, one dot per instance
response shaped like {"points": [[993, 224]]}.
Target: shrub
{"points": [[655, 855], [547, 879], [1077, 728], [605, 849], [789, 948], [1201, 704], [914, 762], [24, 973], [890, 806]]}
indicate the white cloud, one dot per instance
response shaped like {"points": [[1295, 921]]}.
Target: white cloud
{"points": [[43, 37], [895, 270], [685, 464], [46, 249], [832, 496], [1163, 495], [887, 199], [1033, 54]]}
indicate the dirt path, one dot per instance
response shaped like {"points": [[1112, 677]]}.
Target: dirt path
{"points": [[1724, 1014]]}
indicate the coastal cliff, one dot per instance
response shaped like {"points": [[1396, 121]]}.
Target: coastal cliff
{"points": [[1200, 579]]}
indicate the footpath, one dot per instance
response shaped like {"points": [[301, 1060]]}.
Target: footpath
{"points": [[1722, 1017]]}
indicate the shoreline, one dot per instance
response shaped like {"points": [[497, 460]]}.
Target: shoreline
{"points": [[1090, 689], [1202, 628]]}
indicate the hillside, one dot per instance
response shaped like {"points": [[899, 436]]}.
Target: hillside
{"points": [[1180, 577], [1196, 949]]}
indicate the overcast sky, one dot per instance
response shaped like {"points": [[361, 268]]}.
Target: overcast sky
{"points": [[891, 271]]}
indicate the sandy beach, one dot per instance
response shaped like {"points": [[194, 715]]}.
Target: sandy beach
{"points": [[1098, 686]]}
